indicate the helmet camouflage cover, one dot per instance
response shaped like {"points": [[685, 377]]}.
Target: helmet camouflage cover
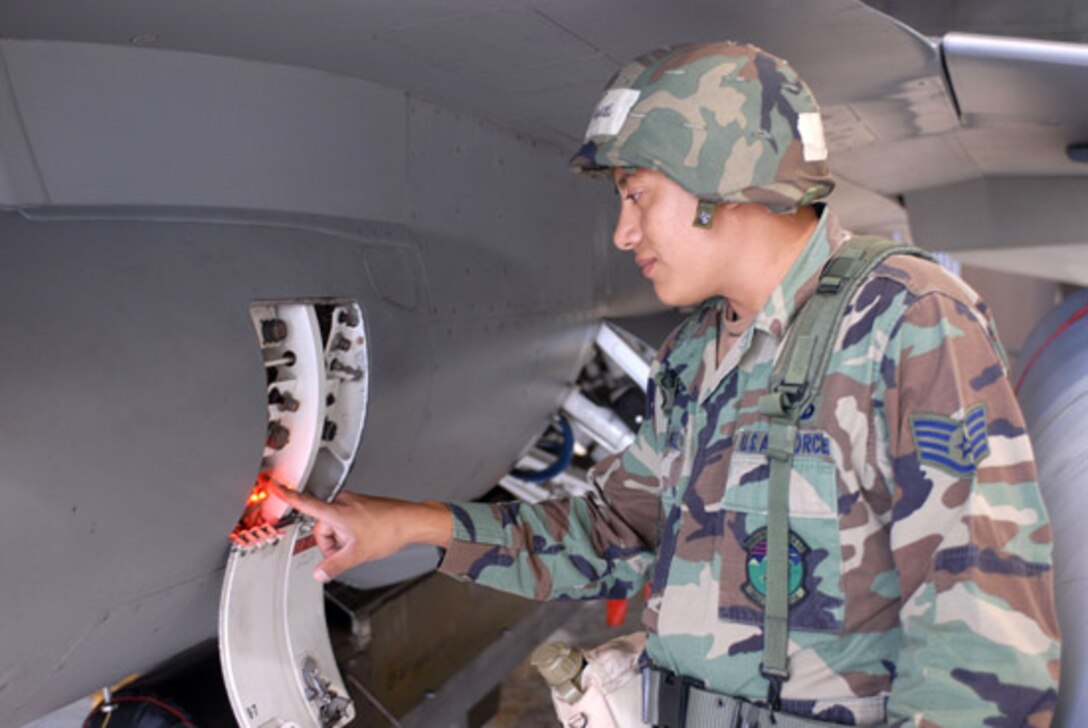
{"points": [[727, 122]]}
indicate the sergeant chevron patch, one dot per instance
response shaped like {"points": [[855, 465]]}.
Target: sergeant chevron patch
{"points": [[955, 446]]}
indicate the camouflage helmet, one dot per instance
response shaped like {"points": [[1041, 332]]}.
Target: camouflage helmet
{"points": [[727, 122]]}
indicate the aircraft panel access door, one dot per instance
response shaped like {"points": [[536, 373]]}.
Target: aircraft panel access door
{"points": [[275, 653]]}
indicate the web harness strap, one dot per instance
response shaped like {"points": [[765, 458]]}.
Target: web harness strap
{"points": [[795, 385]]}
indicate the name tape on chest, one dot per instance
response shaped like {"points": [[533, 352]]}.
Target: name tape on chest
{"points": [[806, 443]]}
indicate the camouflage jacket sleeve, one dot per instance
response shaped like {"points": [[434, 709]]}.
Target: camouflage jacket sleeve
{"points": [[970, 536], [600, 545]]}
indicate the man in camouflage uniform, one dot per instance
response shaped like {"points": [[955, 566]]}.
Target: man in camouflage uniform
{"points": [[920, 582]]}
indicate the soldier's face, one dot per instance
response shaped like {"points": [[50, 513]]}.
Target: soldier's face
{"points": [[655, 223]]}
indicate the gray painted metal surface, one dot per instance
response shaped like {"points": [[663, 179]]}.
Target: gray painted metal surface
{"points": [[1028, 225], [1054, 395], [135, 414], [1062, 21], [532, 64], [112, 125], [889, 94]]}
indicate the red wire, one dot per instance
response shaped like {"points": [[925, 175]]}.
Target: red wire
{"points": [[1050, 340], [147, 699]]}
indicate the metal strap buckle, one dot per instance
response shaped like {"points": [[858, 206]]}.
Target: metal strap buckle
{"points": [[775, 678], [836, 272]]}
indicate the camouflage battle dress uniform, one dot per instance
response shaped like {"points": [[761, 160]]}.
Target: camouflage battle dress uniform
{"points": [[920, 577]]}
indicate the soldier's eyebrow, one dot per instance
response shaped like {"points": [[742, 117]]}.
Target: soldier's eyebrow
{"points": [[621, 178]]}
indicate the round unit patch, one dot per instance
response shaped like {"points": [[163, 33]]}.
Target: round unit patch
{"points": [[755, 546]]}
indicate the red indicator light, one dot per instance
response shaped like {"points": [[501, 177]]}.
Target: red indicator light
{"points": [[261, 508]]}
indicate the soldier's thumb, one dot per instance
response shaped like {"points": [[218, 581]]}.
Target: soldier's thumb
{"points": [[333, 566]]}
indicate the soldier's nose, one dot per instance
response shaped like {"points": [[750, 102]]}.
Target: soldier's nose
{"points": [[628, 232]]}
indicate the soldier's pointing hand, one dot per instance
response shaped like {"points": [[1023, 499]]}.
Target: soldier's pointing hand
{"points": [[354, 528]]}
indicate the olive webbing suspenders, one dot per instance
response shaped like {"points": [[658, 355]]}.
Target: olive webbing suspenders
{"points": [[795, 385]]}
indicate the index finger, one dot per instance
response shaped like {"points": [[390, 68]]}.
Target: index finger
{"points": [[302, 502]]}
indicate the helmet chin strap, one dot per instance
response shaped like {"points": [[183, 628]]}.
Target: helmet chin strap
{"points": [[704, 214]]}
